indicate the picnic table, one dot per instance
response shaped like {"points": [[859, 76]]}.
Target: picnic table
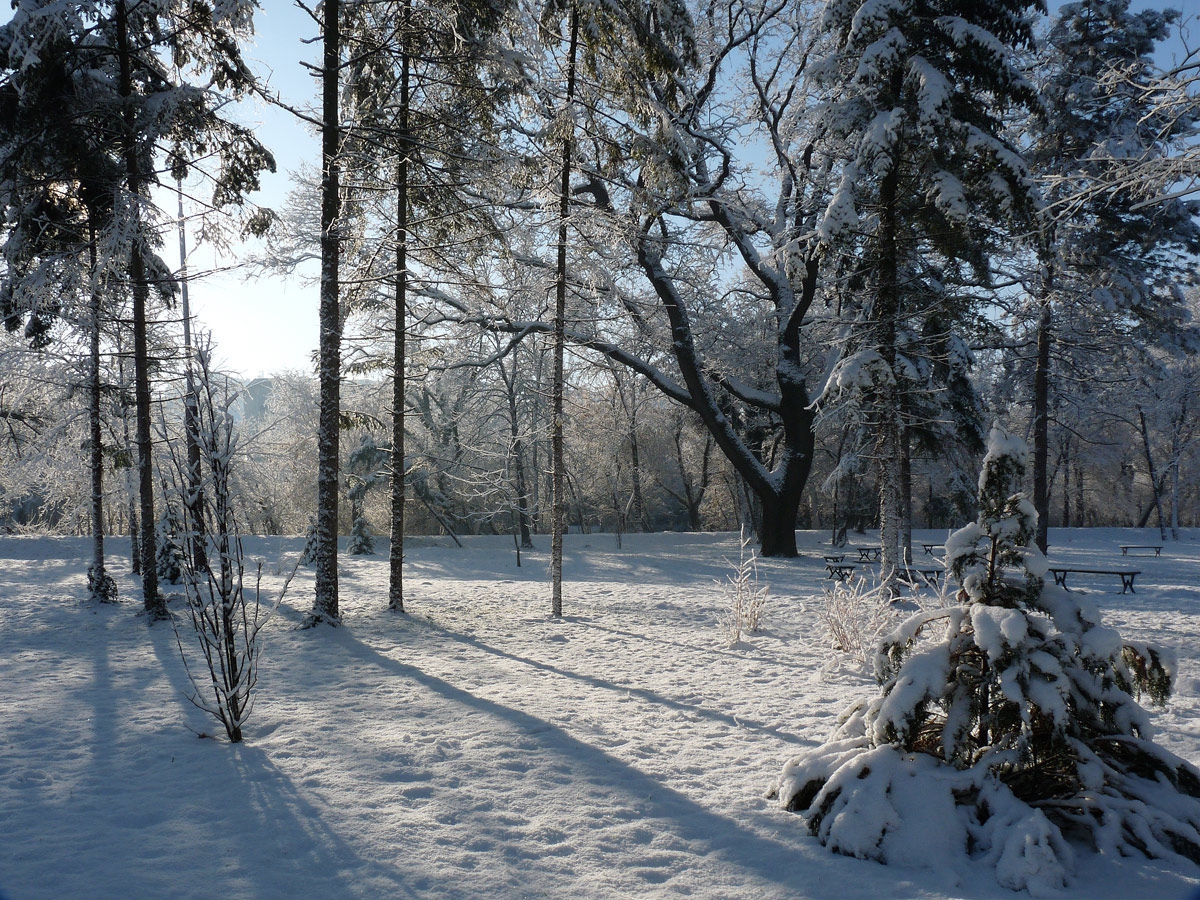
{"points": [[1157, 548], [840, 571], [933, 574], [835, 557], [869, 554], [929, 548], [1126, 575]]}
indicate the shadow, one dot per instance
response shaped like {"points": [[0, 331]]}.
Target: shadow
{"points": [[258, 809], [649, 696], [586, 766]]}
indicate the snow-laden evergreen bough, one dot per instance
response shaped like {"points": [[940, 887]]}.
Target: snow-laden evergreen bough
{"points": [[1007, 727]]}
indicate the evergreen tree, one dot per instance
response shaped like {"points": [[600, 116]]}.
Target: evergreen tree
{"points": [[361, 542], [58, 181], [917, 94], [108, 57], [169, 553], [422, 110], [1018, 724], [365, 469], [1111, 267], [308, 555]]}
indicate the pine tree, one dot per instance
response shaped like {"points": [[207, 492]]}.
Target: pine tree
{"points": [[917, 93], [660, 34], [107, 60], [169, 554], [364, 470], [1111, 268], [422, 110], [308, 554], [361, 542], [53, 139], [1019, 723]]}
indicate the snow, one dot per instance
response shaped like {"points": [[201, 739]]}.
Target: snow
{"points": [[477, 748]]}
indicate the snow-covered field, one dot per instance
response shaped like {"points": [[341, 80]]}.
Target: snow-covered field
{"points": [[476, 748]]}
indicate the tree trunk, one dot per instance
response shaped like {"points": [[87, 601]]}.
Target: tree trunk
{"points": [[635, 476], [98, 578], [558, 501], [135, 556], [886, 400], [396, 551], [1066, 506], [779, 524], [1080, 518], [325, 603], [1041, 427], [1156, 484], [194, 501], [155, 606], [516, 457], [887, 449], [906, 498]]}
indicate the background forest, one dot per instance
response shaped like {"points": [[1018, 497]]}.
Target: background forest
{"points": [[625, 267]]}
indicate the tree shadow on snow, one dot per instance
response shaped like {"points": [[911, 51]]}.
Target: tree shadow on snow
{"points": [[591, 769], [652, 697]]}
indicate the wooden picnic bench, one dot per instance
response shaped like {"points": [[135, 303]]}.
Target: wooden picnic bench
{"points": [[1157, 548], [868, 554], [932, 574], [840, 571], [921, 575], [835, 557], [929, 548], [1126, 576]]}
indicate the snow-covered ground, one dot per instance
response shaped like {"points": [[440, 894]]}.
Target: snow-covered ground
{"points": [[476, 748]]}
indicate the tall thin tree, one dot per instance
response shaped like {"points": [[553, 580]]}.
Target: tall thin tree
{"points": [[325, 603]]}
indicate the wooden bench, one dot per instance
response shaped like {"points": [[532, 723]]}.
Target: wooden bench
{"points": [[1157, 548], [869, 554], [840, 571], [835, 557], [932, 574], [921, 575], [1126, 576], [929, 548]]}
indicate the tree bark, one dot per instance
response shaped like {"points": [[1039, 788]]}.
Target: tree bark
{"points": [[154, 604], [1041, 426], [906, 498], [97, 575], [399, 467], [1156, 484], [886, 402], [325, 602], [558, 501], [516, 458], [194, 501]]}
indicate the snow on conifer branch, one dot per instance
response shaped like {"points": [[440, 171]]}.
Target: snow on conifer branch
{"points": [[1010, 715]]}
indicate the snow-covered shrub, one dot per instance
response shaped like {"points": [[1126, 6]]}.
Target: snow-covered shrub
{"points": [[746, 600], [227, 615], [101, 588], [1006, 727], [855, 616]]}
